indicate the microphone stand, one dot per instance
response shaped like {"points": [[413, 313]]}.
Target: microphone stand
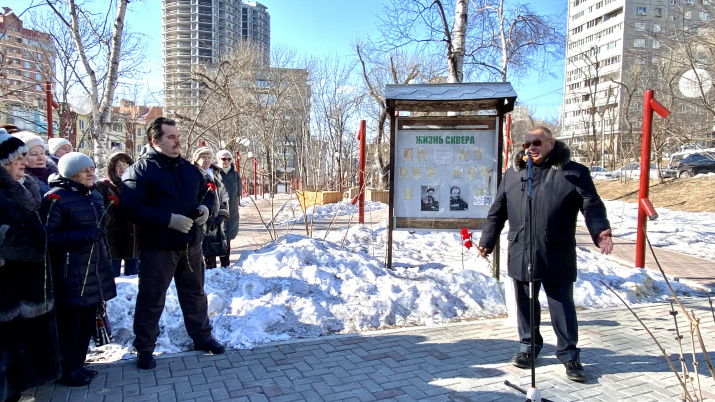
{"points": [[532, 394]]}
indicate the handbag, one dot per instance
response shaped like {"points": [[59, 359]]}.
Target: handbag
{"points": [[215, 245], [102, 330]]}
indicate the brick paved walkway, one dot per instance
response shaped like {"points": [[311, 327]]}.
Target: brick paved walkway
{"points": [[455, 362]]}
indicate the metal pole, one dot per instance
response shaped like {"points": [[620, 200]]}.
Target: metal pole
{"points": [[263, 184], [645, 175], [508, 143], [361, 174], [48, 94], [255, 178], [650, 105]]}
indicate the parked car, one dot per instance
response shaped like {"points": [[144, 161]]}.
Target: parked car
{"points": [[598, 172], [697, 163], [633, 171]]}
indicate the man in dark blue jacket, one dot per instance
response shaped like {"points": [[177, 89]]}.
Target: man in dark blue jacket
{"points": [[561, 188], [169, 200]]}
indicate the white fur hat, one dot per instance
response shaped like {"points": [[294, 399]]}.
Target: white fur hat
{"points": [[30, 139]]}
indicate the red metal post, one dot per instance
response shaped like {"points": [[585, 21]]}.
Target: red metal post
{"points": [[361, 174], [263, 184], [48, 94], [508, 141], [255, 178], [649, 105]]}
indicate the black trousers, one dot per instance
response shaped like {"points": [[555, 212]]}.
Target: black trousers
{"points": [[75, 327], [156, 269], [563, 318]]}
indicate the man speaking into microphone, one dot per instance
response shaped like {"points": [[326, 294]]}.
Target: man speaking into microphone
{"points": [[561, 188]]}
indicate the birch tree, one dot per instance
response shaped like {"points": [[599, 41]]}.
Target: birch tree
{"points": [[100, 56]]}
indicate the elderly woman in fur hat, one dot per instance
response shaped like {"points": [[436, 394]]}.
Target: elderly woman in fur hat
{"points": [[120, 232], [39, 166], [29, 354], [81, 263], [215, 231]]}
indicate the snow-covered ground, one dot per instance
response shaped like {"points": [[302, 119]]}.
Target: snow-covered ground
{"points": [[305, 287]]}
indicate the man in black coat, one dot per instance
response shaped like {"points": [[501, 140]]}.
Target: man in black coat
{"points": [[561, 188], [169, 200]]}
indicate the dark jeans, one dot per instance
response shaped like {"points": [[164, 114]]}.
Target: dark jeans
{"points": [[563, 318], [75, 327], [156, 269], [224, 259], [131, 267]]}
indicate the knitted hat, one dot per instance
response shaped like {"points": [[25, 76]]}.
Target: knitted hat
{"points": [[10, 147], [199, 151], [30, 139], [223, 152], [71, 163], [54, 144]]}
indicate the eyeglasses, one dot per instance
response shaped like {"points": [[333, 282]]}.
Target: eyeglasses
{"points": [[226, 159], [536, 143]]}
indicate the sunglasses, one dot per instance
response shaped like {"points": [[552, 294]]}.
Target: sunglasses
{"points": [[226, 159], [536, 143]]}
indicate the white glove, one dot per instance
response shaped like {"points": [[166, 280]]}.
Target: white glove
{"points": [[203, 215], [181, 223]]}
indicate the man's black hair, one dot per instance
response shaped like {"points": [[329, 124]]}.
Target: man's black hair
{"points": [[155, 130]]}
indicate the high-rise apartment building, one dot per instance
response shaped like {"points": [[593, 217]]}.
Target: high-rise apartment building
{"points": [[199, 32], [27, 62], [616, 49]]}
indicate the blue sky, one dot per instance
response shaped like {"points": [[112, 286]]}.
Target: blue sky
{"points": [[328, 27]]}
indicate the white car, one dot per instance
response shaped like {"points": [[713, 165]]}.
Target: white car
{"points": [[632, 171], [599, 173]]}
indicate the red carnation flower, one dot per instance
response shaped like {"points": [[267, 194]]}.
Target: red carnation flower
{"points": [[54, 197], [212, 187], [465, 231], [468, 244], [113, 199]]}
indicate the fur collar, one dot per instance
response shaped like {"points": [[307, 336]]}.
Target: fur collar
{"points": [[558, 157], [26, 194]]}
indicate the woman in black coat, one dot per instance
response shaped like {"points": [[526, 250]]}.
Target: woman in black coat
{"points": [[232, 182], [120, 232], [29, 355], [82, 267]]}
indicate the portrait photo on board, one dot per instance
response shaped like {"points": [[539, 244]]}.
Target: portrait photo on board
{"points": [[456, 203], [429, 197]]}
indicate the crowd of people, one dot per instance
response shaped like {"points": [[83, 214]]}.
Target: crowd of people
{"points": [[65, 235]]}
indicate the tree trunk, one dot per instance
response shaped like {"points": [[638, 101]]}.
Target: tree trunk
{"points": [[455, 60]]}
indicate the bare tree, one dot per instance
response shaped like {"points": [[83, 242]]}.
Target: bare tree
{"points": [[100, 54], [493, 40], [379, 69]]}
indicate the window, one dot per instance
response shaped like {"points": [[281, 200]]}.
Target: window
{"points": [[656, 44], [38, 88], [673, 2], [117, 127], [704, 15], [658, 12], [641, 10], [688, 15], [81, 125], [639, 43], [27, 63], [656, 28], [640, 26]]}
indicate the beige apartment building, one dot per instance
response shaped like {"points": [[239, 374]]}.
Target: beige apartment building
{"points": [[616, 49], [199, 32]]}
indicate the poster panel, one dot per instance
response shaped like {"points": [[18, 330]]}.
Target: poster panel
{"points": [[445, 171]]}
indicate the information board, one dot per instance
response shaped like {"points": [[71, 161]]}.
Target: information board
{"points": [[445, 171]]}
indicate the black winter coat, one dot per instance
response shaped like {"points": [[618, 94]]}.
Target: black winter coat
{"points": [[29, 354], [80, 257], [561, 189], [157, 186], [121, 233], [232, 182]]}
